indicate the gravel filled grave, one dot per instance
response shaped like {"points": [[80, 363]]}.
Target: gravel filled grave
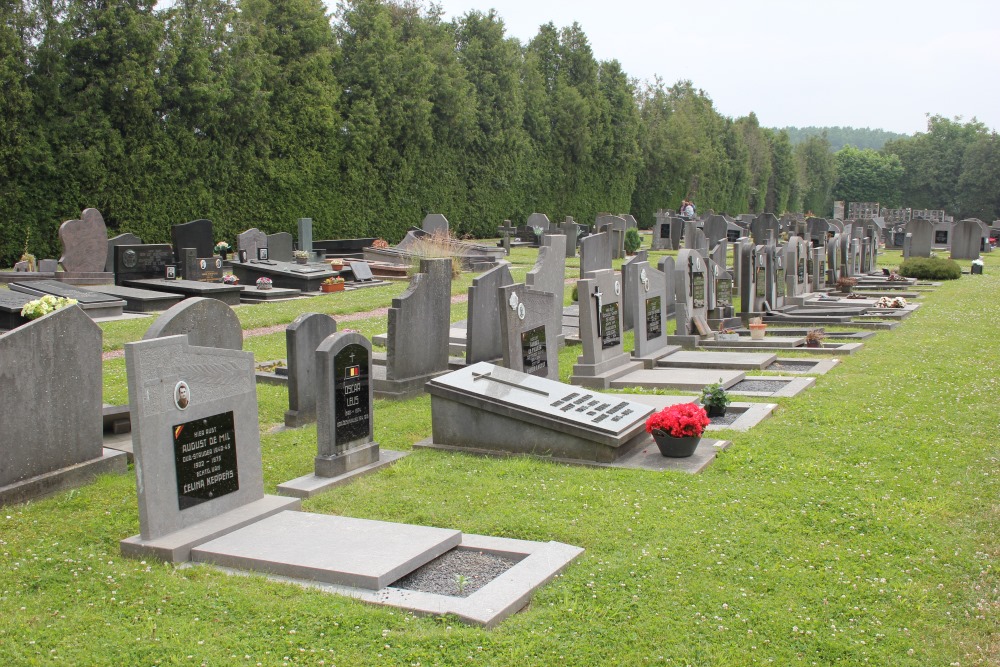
{"points": [[759, 385], [442, 575], [726, 419], [792, 366]]}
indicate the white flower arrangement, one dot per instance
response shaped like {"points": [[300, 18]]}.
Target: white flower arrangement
{"points": [[45, 305], [891, 302], [977, 262]]}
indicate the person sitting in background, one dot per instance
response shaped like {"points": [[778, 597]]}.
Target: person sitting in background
{"points": [[687, 210]]}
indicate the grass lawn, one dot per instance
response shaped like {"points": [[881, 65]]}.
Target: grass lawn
{"points": [[858, 525]]}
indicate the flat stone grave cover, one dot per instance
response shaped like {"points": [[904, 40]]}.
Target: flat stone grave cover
{"points": [[304, 277], [95, 304], [11, 303], [362, 272], [140, 262], [488, 407]]}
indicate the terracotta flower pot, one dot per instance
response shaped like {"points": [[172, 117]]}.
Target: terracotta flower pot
{"points": [[677, 448], [757, 331], [335, 287]]}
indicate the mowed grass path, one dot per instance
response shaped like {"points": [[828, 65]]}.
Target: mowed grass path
{"points": [[857, 526]]}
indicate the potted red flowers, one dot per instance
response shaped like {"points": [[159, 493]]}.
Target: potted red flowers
{"points": [[332, 285], [677, 429]]}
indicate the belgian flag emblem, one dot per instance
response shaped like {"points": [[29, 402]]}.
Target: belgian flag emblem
{"points": [[352, 372]]}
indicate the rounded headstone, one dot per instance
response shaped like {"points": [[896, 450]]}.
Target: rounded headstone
{"points": [[207, 323]]}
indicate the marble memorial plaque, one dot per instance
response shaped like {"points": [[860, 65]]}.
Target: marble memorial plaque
{"points": [[611, 329], [533, 351], [204, 457]]}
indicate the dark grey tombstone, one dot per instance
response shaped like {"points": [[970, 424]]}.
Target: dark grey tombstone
{"points": [[362, 272], [922, 238], [141, 262], [252, 239], [302, 338], [966, 239], [506, 231], [84, 243], [207, 323], [529, 332], [666, 267], [48, 265], [279, 247], [716, 229], [595, 253], [50, 417], [344, 398], [306, 234], [601, 331], [435, 223], [418, 332], [196, 234], [571, 231], [121, 239], [201, 269], [646, 296], [630, 281], [482, 335], [549, 274], [661, 232], [196, 437]]}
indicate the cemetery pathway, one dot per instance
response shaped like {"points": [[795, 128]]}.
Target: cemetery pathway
{"points": [[275, 328]]}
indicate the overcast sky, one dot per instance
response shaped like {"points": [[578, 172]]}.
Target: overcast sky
{"points": [[851, 63]]}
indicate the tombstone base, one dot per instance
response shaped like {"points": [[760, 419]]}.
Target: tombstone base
{"points": [[176, 547], [85, 277], [49, 483], [308, 486], [399, 389], [253, 294], [650, 360], [600, 376], [353, 458]]}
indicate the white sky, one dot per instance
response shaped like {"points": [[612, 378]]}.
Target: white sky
{"points": [[851, 63]]}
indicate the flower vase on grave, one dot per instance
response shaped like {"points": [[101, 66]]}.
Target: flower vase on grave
{"points": [[672, 447], [757, 331]]}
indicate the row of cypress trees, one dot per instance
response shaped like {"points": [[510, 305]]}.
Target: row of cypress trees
{"points": [[254, 113]]}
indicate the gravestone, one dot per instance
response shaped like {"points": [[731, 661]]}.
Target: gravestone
{"points": [[722, 293], [661, 232], [48, 265], [667, 267], [571, 231], [302, 337], [601, 331], [764, 227], [921, 237], [196, 234], [94, 304], [252, 239], [206, 322], [306, 234], [51, 415], [197, 446], [483, 340], [538, 220], [647, 295], [113, 242], [141, 262], [435, 223], [595, 253], [200, 269], [691, 290], [418, 333], [362, 272], [716, 230], [22, 267], [84, 243], [506, 231], [966, 239], [942, 234], [549, 275], [630, 282], [279, 247], [529, 331], [615, 226]]}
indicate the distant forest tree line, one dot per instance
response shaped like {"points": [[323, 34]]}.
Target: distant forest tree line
{"points": [[254, 113]]}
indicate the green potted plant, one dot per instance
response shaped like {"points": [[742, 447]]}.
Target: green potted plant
{"points": [[632, 241], [714, 399], [677, 429], [301, 256]]}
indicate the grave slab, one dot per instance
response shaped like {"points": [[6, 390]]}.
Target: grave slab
{"points": [[253, 294], [684, 379], [227, 294], [769, 342], [745, 361], [11, 304], [291, 275], [94, 304], [772, 386], [140, 300], [341, 550], [312, 484], [747, 415]]}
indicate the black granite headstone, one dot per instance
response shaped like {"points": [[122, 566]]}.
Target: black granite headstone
{"points": [[611, 327], [353, 407], [205, 459], [196, 234], [141, 262], [653, 309], [533, 352], [698, 289]]}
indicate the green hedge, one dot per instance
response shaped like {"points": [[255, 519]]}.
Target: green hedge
{"points": [[931, 268]]}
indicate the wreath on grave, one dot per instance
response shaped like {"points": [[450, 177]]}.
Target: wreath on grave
{"points": [[45, 305]]}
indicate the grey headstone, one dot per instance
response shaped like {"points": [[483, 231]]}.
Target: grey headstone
{"points": [[529, 331], [482, 335], [666, 267], [344, 399], [50, 416], [539, 220], [716, 229], [279, 247], [571, 231], [419, 323], [22, 267], [647, 295], [48, 265], [630, 281], [615, 226], [506, 231], [921, 237], [691, 290], [84, 243], [121, 239], [435, 223], [207, 323], [252, 239], [549, 274], [199, 458], [302, 337], [661, 232], [362, 272], [196, 234], [306, 234], [601, 329], [966, 239], [595, 253]]}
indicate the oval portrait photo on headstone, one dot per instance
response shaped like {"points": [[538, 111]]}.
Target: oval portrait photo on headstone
{"points": [[182, 395]]}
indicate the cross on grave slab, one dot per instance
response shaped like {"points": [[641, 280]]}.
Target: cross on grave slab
{"points": [[507, 230], [597, 297]]}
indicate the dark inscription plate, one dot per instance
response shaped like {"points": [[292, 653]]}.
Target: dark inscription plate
{"points": [[781, 282], [353, 418], [654, 324], [665, 231], [611, 325], [723, 293], [941, 237], [206, 270], [761, 282], [141, 262], [205, 459], [898, 238], [802, 270], [533, 352], [732, 235], [811, 266], [698, 289]]}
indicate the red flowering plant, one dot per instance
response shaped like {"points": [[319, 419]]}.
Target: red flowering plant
{"points": [[684, 420]]}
